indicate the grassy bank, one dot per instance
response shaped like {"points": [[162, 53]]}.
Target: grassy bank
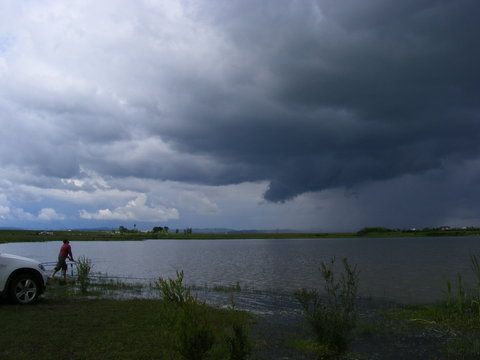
{"points": [[34, 236], [69, 328], [458, 334], [70, 324]]}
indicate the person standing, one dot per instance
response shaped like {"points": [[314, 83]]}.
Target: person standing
{"points": [[64, 254]]}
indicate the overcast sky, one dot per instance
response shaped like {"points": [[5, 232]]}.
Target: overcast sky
{"points": [[326, 115]]}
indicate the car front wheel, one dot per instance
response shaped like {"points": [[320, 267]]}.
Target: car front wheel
{"points": [[24, 289]]}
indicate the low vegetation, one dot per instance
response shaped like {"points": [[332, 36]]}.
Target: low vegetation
{"points": [[458, 316], [413, 232], [174, 291], [110, 329], [174, 327], [227, 288], [104, 235], [332, 314], [84, 268], [197, 336], [187, 234]]}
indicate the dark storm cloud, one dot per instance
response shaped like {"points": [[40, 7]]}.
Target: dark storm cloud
{"points": [[306, 95], [330, 94]]}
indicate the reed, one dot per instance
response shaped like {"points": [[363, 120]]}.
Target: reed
{"points": [[465, 301], [84, 268], [332, 316], [173, 290]]}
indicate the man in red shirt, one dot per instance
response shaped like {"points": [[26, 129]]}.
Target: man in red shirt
{"points": [[65, 252]]}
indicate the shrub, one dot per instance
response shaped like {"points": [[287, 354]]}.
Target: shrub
{"points": [[465, 301], [476, 271], [196, 339], [196, 334], [84, 267], [173, 290], [238, 344], [333, 315]]}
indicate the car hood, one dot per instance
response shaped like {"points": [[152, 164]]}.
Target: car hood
{"points": [[22, 258]]}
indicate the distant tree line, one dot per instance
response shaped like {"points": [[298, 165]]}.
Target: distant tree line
{"points": [[160, 230], [123, 230], [370, 230], [166, 230], [441, 230], [155, 230]]}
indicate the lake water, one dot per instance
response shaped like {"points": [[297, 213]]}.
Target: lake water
{"points": [[400, 269]]}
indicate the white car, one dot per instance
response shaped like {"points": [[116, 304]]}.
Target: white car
{"points": [[22, 280]]}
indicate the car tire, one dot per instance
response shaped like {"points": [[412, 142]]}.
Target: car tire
{"points": [[24, 289]]}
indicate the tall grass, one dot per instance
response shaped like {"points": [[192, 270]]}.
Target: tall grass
{"points": [[333, 314], [465, 301], [197, 339], [173, 290], [84, 268], [475, 264], [238, 343]]}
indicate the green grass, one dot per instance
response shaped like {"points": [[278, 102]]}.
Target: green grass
{"points": [[463, 329], [463, 347], [333, 315], [75, 328], [69, 323], [458, 316], [436, 316], [98, 288], [227, 288], [33, 236], [323, 352], [107, 284]]}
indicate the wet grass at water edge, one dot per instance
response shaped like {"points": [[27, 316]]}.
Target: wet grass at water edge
{"points": [[75, 328]]}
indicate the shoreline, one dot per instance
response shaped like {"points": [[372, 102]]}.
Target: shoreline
{"points": [[385, 330], [12, 236]]}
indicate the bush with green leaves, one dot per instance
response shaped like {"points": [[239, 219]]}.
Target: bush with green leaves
{"points": [[463, 300], [239, 344], [197, 340], [173, 290], [84, 268], [333, 314], [196, 334]]}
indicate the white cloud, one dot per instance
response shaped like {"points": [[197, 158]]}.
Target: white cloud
{"points": [[4, 211], [112, 196], [48, 214], [20, 214], [8, 212], [136, 209], [197, 202]]}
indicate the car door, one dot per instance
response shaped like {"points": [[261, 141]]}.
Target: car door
{"points": [[3, 272]]}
